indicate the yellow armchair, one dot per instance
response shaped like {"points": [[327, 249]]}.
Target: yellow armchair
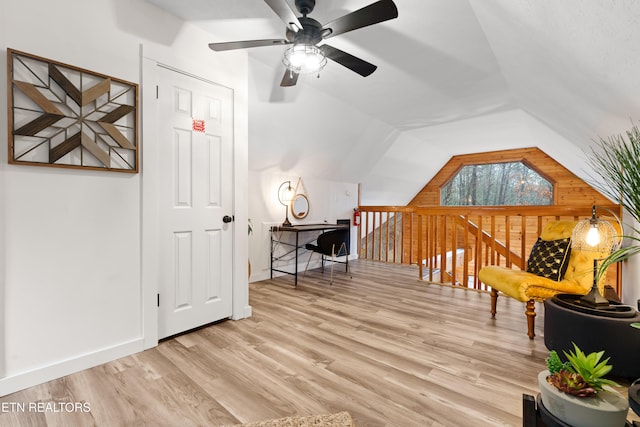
{"points": [[529, 287]]}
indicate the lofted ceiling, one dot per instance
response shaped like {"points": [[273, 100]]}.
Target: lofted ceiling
{"points": [[570, 66], [434, 62]]}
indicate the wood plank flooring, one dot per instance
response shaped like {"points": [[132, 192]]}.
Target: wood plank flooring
{"points": [[390, 350]]}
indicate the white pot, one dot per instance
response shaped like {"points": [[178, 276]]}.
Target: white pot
{"points": [[608, 408]]}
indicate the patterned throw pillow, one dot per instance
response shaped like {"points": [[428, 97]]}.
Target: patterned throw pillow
{"points": [[549, 258]]}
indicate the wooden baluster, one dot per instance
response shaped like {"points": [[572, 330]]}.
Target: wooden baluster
{"points": [[454, 249], [395, 235], [387, 244], [421, 273], [523, 242], [365, 225], [465, 272], [478, 259], [507, 240]]}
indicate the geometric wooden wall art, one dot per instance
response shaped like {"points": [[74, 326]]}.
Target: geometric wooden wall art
{"points": [[64, 116]]}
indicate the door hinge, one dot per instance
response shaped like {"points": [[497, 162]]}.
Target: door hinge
{"points": [[157, 91], [158, 300]]}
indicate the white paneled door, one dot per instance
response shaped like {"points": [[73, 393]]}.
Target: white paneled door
{"points": [[195, 135]]}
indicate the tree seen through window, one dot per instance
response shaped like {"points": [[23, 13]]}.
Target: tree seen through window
{"points": [[497, 184]]}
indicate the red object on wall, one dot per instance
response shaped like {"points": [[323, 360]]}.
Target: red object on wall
{"points": [[198, 125], [356, 217]]}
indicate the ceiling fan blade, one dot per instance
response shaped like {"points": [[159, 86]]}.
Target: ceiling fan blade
{"points": [[284, 11], [219, 47], [290, 78], [379, 11], [353, 63]]}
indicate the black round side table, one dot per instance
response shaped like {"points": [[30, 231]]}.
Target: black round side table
{"points": [[564, 325]]}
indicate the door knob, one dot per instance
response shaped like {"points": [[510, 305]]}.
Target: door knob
{"points": [[227, 219]]}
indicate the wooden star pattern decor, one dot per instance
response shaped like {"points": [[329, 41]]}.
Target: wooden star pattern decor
{"points": [[64, 116]]}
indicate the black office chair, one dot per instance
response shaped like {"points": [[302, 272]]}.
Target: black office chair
{"points": [[331, 244]]}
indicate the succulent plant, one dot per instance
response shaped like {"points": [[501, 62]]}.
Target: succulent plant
{"points": [[583, 374], [590, 368], [571, 383]]}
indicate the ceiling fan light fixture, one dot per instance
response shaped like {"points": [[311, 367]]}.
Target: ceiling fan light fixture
{"points": [[294, 27], [304, 58]]}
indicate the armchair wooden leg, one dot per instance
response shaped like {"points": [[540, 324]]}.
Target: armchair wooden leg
{"points": [[531, 318], [494, 302]]}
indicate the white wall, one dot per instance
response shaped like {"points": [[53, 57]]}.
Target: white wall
{"points": [[301, 132], [630, 287], [3, 227], [631, 269], [70, 241], [328, 200], [301, 128]]}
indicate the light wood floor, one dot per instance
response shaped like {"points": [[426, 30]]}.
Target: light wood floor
{"points": [[389, 349]]}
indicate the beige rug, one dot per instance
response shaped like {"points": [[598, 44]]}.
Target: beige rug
{"points": [[341, 419]]}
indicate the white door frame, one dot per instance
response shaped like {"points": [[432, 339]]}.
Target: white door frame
{"points": [[235, 77]]}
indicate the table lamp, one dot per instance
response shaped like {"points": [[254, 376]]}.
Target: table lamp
{"points": [[285, 195], [596, 235]]}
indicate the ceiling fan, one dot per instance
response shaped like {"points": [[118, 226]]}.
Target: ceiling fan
{"points": [[305, 33]]}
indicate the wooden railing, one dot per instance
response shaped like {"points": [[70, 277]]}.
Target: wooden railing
{"points": [[383, 232], [450, 244]]}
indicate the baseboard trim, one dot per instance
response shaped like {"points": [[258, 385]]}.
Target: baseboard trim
{"points": [[13, 383], [246, 312]]}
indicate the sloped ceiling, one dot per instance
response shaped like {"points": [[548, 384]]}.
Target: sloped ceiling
{"points": [[555, 74], [572, 64], [434, 62]]}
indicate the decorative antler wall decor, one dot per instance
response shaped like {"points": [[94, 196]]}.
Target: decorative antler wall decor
{"points": [[60, 115]]}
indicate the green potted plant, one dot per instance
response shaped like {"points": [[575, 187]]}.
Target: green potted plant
{"points": [[616, 160], [577, 392]]}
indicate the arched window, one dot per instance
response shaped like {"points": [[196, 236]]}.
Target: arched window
{"points": [[496, 184]]}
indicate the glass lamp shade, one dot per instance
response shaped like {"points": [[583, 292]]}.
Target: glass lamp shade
{"points": [[599, 236], [286, 194], [595, 235], [304, 58]]}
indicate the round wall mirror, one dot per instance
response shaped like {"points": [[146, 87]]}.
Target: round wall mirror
{"points": [[299, 206]]}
